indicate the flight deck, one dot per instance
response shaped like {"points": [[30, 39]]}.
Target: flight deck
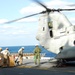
{"points": [[46, 68]]}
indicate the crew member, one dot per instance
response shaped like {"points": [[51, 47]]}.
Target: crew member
{"points": [[37, 57], [1, 58], [0, 50], [20, 55], [6, 55]]}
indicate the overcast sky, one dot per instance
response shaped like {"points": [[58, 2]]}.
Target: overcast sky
{"points": [[23, 32]]}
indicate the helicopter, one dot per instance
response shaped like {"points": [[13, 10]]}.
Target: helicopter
{"points": [[55, 33]]}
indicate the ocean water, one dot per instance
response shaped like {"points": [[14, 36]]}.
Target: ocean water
{"points": [[29, 49]]}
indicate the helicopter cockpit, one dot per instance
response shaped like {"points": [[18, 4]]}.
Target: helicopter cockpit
{"points": [[61, 25], [56, 24], [55, 27]]}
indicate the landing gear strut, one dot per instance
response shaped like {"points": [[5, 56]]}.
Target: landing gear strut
{"points": [[60, 63]]}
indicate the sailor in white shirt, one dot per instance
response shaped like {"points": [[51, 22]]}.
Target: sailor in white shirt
{"points": [[6, 55], [20, 55]]}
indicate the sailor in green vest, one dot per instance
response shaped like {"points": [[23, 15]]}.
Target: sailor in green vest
{"points": [[37, 56]]}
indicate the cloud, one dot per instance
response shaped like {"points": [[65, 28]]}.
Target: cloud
{"points": [[30, 19], [12, 30], [31, 9], [35, 8], [3, 20], [13, 33], [2, 31], [6, 27], [20, 32], [59, 4]]}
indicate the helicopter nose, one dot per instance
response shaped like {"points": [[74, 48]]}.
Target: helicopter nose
{"points": [[38, 37], [45, 47]]}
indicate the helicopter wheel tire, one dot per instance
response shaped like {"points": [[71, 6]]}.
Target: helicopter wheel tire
{"points": [[61, 63]]}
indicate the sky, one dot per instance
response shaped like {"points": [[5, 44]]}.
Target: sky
{"points": [[23, 32]]}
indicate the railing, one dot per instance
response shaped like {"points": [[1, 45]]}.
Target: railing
{"points": [[28, 54]]}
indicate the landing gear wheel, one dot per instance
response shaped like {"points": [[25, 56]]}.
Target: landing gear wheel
{"points": [[60, 63]]}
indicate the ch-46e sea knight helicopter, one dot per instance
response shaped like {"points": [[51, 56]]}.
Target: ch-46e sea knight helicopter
{"points": [[55, 33]]}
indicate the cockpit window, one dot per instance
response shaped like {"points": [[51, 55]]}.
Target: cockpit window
{"points": [[50, 25], [74, 42], [74, 28], [43, 28], [60, 26]]}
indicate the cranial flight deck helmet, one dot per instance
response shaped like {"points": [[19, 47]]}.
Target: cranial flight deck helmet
{"points": [[22, 48]]}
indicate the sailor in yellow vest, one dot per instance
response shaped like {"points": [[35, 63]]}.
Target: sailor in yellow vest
{"points": [[20, 55], [6, 55], [37, 56]]}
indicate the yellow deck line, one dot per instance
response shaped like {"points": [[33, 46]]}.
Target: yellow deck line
{"points": [[45, 68], [24, 66]]}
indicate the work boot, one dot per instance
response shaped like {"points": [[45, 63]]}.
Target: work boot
{"points": [[17, 62], [35, 63]]}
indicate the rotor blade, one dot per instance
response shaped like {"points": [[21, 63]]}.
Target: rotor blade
{"points": [[23, 17], [64, 9], [39, 2], [71, 5]]}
